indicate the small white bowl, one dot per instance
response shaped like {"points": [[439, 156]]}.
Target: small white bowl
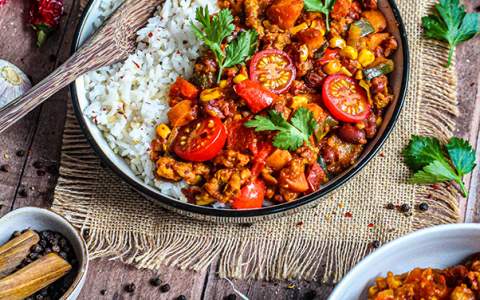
{"points": [[43, 219], [438, 247]]}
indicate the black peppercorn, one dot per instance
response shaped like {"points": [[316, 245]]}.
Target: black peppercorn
{"points": [[390, 206], [375, 244], [37, 164], [156, 281], [165, 288], [130, 288], [405, 207], [181, 297], [423, 206], [310, 295], [86, 233], [231, 297], [103, 292], [22, 192], [5, 168], [20, 153]]}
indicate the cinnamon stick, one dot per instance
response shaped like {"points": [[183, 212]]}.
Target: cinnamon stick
{"points": [[14, 251], [33, 277]]}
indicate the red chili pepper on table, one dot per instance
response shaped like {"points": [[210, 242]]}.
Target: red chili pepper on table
{"points": [[2, 2], [44, 17]]}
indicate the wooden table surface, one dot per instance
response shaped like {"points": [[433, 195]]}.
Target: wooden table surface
{"points": [[39, 137]]}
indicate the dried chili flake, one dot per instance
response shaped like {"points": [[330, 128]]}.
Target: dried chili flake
{"points": [[44, 17], [370, 225], [348, 214], [299, 224], [2, 2]]}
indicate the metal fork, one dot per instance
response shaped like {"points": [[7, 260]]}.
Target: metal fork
{"points": [[113, 42]]}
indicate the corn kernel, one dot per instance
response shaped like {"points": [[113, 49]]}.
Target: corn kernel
{"points": [[223, 84], [210, 94], [239, 78], [379, 121], [350, 52], [360, 125], [303, 50], [298, 28], [299, 101], [359, 75], [163, 131], [337, 42], [345, 71], [366, 57], [332, 67]]}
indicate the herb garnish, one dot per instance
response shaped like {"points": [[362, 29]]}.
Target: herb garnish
{"points": [[451, 24], [290, 136], [323, 6], [434, 163], [215, 30]]}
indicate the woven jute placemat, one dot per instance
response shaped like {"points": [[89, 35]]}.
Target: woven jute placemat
{"points": [[332, 237]]}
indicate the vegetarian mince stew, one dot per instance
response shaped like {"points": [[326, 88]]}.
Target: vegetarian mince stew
{"points": [[454, 283], [284, 96]]}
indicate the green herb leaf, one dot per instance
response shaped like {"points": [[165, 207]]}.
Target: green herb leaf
{"points": [[433, 162], [422, 151], [451, 24], [323, 6], [241, 48], [462, 155], [215, 30], [291, 136]]}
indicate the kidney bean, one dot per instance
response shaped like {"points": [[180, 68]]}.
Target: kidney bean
{"points": [[351, 134], [328, 154], [314, 80], [370, 126]]}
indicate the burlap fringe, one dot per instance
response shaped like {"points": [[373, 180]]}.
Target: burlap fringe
{"points": [[258, 258]]}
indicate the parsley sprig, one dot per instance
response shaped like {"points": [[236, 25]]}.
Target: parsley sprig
{"points": [[215, 30], [291, 135], [433, 162], [451, 24], [323, 6]]}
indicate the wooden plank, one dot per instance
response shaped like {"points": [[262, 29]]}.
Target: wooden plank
{"points": [[114, 275], [18, 47]]}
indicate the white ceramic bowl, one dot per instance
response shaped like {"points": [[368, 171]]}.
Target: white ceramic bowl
{"points": [[438, 247], [44, 219]]}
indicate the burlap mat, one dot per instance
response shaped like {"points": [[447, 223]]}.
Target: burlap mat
{"points": [[124, 225]]}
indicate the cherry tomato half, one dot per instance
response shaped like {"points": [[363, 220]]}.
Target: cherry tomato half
{"points": [[257, 97], [201, 140], [273, 69], [250, 196], [345, 99]]}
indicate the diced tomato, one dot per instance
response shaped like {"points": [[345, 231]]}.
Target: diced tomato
{"points": [[250, 196], [241, 137], [273, 69], [340, 9], [330, 54], [345, 99], [259, 159], [255, 95], [184, 89], [201, 140], [315, 177]]}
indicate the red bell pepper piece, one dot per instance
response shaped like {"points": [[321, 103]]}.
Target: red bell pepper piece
{"points": [[255, 95]]}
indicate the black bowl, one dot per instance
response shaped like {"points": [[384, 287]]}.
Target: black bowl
{"points": [[398, 81]]}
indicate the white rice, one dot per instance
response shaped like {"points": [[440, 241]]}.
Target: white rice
{"points": [[128, 99]]}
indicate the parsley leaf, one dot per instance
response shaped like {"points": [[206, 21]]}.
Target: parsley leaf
{"points": [[451, 24], [290, 136], [462, 155], [215, 30], [323, 6], [433, 162]]}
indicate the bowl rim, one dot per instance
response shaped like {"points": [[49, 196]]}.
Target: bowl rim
{"points": [[420, 234], [264, 211], [83, 268]]}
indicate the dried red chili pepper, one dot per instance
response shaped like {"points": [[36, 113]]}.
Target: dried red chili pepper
{"points": [[44, 17], [2, 2]]}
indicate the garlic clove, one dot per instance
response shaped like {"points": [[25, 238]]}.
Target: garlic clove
{"points": [[13, 82]]}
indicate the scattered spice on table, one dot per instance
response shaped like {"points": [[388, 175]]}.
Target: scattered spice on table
{"points": [[375, 244], [156, 281], [423, 206], [5, 168], [103, 292], [405, 208], [182, 297], [390, 206], [20, 153], [2, 2], [22, 192], [299, 224], [86, 233], [371, 225], [165, 288], [45, 17], [130, 288], [231, 297], [348, 214]]}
